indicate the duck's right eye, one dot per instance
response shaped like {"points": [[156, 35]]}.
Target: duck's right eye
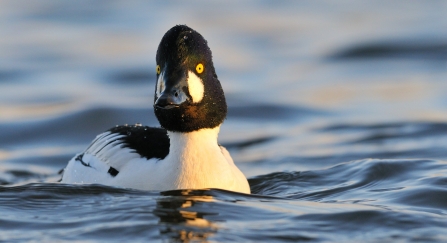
{"points": [[158, 69], [199, 68]]}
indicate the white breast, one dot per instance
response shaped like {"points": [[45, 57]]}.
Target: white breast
{"points": [[195, 161]]}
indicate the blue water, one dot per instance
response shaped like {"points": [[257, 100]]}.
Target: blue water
{"points": [[337, 115]]}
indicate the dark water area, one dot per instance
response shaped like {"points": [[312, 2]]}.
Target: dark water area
{"points": [[337, 115], [404, 50], [389, 200]]}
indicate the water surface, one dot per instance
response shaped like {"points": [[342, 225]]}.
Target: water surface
{"points": [[337, 115]]}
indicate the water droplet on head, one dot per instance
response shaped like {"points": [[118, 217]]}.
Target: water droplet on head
{"points": [[185, 37]]}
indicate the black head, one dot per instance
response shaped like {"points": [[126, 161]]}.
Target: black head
{"points": [[188, 95]]}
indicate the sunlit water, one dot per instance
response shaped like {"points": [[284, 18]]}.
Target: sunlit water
{"points": [[337, 114]]}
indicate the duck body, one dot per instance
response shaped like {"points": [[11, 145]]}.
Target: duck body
{"points": [[184, 154], [124, 156]]}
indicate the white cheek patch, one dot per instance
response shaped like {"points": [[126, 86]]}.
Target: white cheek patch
{"points": [[195, 87], [160, 84]]}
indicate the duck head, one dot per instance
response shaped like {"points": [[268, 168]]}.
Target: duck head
{"points": [[188, 95]]}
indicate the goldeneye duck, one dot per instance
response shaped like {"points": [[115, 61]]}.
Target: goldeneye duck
{"points": [[190, 105]]}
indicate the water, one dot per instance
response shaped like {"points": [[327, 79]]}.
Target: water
{"points": [[337, 114]]}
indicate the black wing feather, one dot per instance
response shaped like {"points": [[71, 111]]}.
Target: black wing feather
{"points": [[149, 142]]}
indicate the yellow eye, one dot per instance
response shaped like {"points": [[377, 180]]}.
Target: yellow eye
{"points": [[199, 68], [158, 69]]}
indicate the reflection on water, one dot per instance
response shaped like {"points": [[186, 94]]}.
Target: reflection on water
{"points": [[180, 219]]}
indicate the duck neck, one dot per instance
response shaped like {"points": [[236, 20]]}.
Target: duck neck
{"points": [[190, 146]]}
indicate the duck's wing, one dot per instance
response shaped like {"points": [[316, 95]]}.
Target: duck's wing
{"points": [[110, 151]]}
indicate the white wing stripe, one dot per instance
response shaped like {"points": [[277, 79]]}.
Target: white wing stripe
{"points": [[109, 148], [102, 142]]}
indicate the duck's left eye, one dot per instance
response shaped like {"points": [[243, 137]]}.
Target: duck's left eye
{"points": [[199, 68], [158, 69]]}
